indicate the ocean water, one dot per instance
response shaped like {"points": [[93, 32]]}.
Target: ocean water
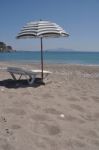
{"points": [[86, 58]]}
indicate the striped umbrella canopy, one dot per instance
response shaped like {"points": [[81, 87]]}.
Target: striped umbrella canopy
{"points": [[41, 29]]}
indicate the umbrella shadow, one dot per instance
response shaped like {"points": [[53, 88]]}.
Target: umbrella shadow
{"points": [[10, 83]]}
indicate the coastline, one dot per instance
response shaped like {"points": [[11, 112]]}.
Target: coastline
{"points": [[84, 58], [62, 114]]}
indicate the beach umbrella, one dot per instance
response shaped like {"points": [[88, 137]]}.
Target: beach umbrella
{"points": [[41, 29]]}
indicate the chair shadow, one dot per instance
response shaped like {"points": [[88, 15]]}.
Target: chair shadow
{"points": [[10, 83]]}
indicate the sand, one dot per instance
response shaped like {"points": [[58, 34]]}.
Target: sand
{"points": [[63, 114]]}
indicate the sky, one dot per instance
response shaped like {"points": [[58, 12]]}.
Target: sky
{"points": [[80, 18]]}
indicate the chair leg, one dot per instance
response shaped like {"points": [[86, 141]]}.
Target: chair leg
{"points": [[31, 79], [13, 76], [20, 77]]}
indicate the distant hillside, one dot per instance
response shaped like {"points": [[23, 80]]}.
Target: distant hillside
{"points": [[61, 49], [5, 48]]}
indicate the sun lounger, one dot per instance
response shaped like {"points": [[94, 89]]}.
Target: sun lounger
{"points": [[30, 75]]}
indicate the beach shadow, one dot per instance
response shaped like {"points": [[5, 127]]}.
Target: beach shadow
{"points": [[10, 83]]}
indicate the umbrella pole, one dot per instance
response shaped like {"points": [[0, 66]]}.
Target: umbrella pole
{"points": [[41, 59]]}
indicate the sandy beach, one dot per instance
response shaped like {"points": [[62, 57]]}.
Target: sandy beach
{"points": [[63, 114]]}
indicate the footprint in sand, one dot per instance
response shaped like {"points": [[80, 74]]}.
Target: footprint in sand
{"points": [[46, 143], [85, 98], [22, 103], [47, 95], [10, 96], [91, 133], [43, 124], [52, 129], [88, 117], [52, 111], [75, 143], [77, 107], [74, 119], [5, 145], [91, 116], [95, 98], [73, 99], [15, 111], [40, 117], [96, 116], [95, 142], [93, 137], [15, 126]]}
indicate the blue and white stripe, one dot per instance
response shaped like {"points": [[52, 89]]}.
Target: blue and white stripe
{"points": [[41, 29]]}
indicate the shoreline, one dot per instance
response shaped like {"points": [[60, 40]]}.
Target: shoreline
{"points": [[47, 63]]}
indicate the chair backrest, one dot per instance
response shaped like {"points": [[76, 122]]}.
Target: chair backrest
{"points": [[15, 70]]}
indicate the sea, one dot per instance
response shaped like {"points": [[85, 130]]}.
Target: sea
{"points": [[56, 57]]}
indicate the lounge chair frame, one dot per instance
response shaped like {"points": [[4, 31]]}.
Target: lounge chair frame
{"points": [[30, 75]]}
